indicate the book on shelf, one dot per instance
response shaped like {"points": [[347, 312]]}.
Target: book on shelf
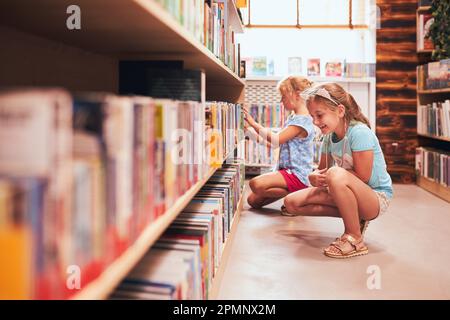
{"points": [[433, 164], [162, 80], [334, 68], [36, 180], [209, 23], [424, 41], [259, 66], [434, 75], [434, 119], [269, 116], [359, 70], [184, 261], [295, 65], [82, 175], [313, 67]]}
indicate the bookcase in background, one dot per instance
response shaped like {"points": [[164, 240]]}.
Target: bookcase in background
{"points": [[433, 113], [38, 50], [262, 91]]}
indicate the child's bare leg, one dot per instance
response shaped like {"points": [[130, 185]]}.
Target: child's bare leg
{"points": [[257, 202], [353, 198], [311, 202], [266, 189]]}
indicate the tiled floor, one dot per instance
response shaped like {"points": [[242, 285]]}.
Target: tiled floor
{"points": [[276, 257]]}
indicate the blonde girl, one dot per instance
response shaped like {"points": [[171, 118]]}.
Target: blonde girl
{"points": [[358, 187], [296, 147]]}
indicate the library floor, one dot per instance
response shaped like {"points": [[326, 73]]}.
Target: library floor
{"points": [[276, 257]]}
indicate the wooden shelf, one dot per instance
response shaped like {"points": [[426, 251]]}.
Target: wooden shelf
{"points": [[433, 91], [226, 251], [435, 188], [424, 9], [434, 137], [101, 287], [124, 28]]}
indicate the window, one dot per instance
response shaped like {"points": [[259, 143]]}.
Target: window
{"points": [[307, 13]]}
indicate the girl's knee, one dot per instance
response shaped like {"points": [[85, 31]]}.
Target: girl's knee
{"points": [[336, 175], [289, 202], [255, 185], [253, 201]]}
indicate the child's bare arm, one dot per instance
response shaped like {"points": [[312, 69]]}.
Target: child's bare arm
{"points": [[362, 163]]}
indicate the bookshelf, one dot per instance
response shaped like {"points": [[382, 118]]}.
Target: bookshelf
{"points": [[437, 189], [146, 30], [38, 49], [111, 277], [434, 91], [226, 250], [434, 143], [434, 137]]}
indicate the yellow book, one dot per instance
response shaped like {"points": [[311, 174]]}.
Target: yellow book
{"points": [[15, 251]]}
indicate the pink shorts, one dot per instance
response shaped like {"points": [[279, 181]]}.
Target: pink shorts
{"points": [[293, 183]]}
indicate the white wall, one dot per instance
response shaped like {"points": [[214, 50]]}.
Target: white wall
{"points": [[357, 45]]}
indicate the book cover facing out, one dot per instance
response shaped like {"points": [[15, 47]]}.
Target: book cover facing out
{"points": [[294, 65], [334, 68], [313, 67], [259, 66]]}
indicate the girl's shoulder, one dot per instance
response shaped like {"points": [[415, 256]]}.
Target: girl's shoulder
{"points": [[359, 128], [299, 119]]}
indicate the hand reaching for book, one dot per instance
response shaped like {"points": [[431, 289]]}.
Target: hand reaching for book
{"points": [[248, 118]]}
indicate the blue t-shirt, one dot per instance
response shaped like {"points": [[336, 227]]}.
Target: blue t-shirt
{"points": [[297, 153], [360, 138]]}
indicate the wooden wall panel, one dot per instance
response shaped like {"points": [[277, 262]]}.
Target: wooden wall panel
{"points": [[396, 87]]}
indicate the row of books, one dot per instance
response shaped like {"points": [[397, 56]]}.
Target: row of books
{"points": [[434, 75], [434, 119], [225, 122], [208, 21], [184, 261], [359, 70], [256, 150], [267, 115], [81, 176], [433, 164], [261, 66], [424, 42]]}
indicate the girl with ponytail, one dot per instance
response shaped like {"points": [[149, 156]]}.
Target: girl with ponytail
{"points": [[296, 146], [351, 182]]}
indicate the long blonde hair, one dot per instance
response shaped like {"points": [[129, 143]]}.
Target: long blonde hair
{"points": [[337, 93], [292, 84]]}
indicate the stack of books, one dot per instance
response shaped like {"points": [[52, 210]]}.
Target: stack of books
{"points": [[434, 75]]}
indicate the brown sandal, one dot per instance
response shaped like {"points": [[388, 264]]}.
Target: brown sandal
{"points": [[346, 247]]}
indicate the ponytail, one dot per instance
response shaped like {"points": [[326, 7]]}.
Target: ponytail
{"points": [[339, 95]]}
